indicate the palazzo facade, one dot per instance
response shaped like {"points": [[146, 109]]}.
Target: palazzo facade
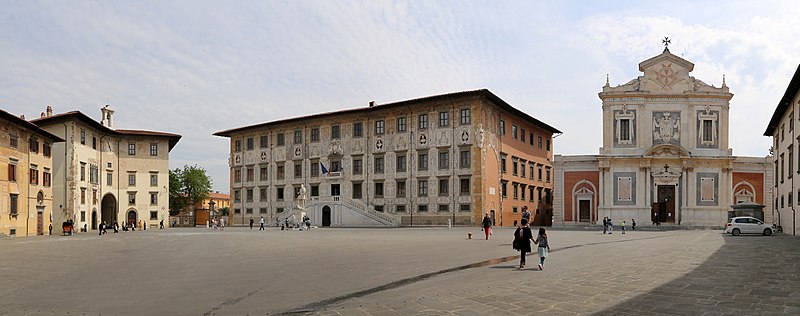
{"points": [[665, 155], [427, 161]]}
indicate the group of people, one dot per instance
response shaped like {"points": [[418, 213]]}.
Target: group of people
{"points": [[217, 223], [306, 222], [523, 237], [608, 225], [103, 227]]}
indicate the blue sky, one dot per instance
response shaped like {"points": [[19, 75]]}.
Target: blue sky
{"points": [[194, 68]]}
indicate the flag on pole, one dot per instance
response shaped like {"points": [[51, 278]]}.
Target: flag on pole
{"points": [[324, 170]]}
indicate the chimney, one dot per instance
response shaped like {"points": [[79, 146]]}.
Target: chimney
{"points": [[22, 116], [108, 116], [371, 103], [41, 115], [49, 111]]}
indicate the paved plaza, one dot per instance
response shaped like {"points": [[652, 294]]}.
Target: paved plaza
{"points": [[406, 271]]}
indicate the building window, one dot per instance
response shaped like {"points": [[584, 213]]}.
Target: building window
{"points": [[263, 172], [444, 119], [540, 142], [378, 164], [298, 171], [514, 210], [262, 210], [522, 169], [262, 194], [314, 190], [335, 132], [401, 163], [358, 165], [379, 189], [503, 164], [94, 174], [444, 208], [358, 129], [237, 196], [400, 209], [464, 208], [464, 186], [422, 209], [423, 161], [444, 184], [515, 187], [131, 198], [422, 188], [34, 145], [153, 149], [401, 188], [131, 149], [707, 135], [444, 160], [504, 188], [379, 127], [237, 145], [153, 198], [465, 116], [502, 127], [401, 124], [624, 130], [109, 178], [83, 196], [250, 143], [248, 195], [14, 204], [336, 166], [464, 158], [250, 174], [83, 171], [423, 121], [532, 166], [131, 179], [357, 191], [94, 142], [315, 134], [83, 137], [279, 194], [237, 175], [531, 139], [514, 168], [298, 137], [540, 173], [46, 150], [530, 192], [514, 131], [522, 192], [314, 168], [281, 139], [12, 172], [281, 173], [264, 142], [548, 145]]}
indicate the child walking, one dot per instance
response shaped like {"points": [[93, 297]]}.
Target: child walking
{"points": [[544, 246]]}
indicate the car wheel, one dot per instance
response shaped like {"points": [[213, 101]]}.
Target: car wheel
{"points": [[767, 231], [736, 232]]}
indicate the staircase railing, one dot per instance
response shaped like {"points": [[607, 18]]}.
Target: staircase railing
{"points": [[361, 208]]}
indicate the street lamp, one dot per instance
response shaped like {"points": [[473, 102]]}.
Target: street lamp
{"points": [[210, 210]]}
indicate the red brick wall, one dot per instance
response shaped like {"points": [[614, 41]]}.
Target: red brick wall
{"points": [[756, 179], [573, 177]]}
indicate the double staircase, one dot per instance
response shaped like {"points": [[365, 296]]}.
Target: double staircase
{"points": [[357, 206]]}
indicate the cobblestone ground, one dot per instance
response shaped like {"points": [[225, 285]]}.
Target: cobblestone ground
{"points": [[676, 273]]}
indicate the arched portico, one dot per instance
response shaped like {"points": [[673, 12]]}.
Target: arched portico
{"points": [[108, 209]]}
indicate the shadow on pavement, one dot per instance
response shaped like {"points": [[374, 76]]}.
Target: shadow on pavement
{"points": [[748, 275]]}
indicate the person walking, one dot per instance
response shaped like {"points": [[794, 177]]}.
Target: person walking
{"points": [[101, 229], [116, 227], [262, 224], [605, 225], [221, 223], [251, 223], [524, 236], [610, 226], [487, 225], [526, 215], [544, 246], [633, 224], [50, 228], [623, 227], [161, 224]]}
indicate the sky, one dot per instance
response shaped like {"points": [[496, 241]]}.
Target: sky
{"points": [[195, 67]]}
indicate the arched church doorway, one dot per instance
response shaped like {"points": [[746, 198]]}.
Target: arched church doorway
{"points": [[132, 217], [108, 209], [326, 216]]}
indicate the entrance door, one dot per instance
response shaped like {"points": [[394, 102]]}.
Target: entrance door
{"points": [[40, 221], [326, 216], [491, 213], [94, 220], [132, 218], [666, 203], [584, 210]]}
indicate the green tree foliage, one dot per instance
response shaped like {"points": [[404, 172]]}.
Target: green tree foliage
{"points": [[187, 186]]}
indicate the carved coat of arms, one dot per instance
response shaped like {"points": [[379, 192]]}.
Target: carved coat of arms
{"points": [[666, 128]]}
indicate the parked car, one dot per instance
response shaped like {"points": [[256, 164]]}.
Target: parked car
{"points": [[748, 225]]}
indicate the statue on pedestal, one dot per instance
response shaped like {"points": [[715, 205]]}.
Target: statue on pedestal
{"points": [[301, 198]]}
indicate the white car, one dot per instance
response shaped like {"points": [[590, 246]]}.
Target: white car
{"points": [[748, 225]]}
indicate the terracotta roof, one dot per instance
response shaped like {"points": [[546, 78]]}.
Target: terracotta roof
{"points": [[219, 196], [78, 115], [21, 122], [784, 103], [473, 93]]}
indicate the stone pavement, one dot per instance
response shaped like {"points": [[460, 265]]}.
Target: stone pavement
{"points": [[428, 271], [679, 273]]}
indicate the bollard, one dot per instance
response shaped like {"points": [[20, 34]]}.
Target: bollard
{"points": [[449, 223]]}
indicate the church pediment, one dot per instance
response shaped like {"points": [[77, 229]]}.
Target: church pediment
{"points": [[666, 150], [667, 73]]}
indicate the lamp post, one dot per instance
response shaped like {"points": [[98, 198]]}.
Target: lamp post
{"points": [[210, 210]]}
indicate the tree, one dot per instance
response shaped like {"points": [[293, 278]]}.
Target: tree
{"points": [[188, 186]]}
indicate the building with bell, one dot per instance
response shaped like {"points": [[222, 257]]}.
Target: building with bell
{"points": [[665, 156], [430, 161]]}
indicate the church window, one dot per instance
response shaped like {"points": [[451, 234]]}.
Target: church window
{"points": [[707, 131], [624, 132], [624, 126]]}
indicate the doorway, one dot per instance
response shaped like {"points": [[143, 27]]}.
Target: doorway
{"points": [[584, 210], [108, 209], [665, 209], [94, 220], [326, 216], [491, 213], [40, 221], [132, 218]]}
